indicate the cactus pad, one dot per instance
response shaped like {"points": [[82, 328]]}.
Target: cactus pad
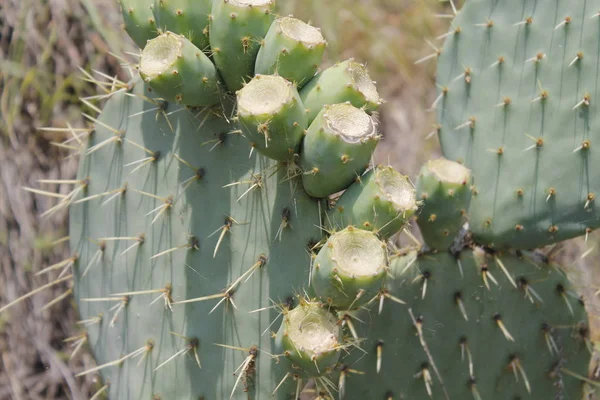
{"points": [[519, 94], [217, 229], [467, 332]]}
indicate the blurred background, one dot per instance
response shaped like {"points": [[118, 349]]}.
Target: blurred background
{"points": [[43, 45]]}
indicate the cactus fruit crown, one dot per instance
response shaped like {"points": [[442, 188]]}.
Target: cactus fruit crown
{"points": [[210, 186]]}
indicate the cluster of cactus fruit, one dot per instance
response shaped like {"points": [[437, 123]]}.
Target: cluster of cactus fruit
{"points": [[212, 185]]}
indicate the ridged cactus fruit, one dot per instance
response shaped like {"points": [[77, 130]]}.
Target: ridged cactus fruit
{"points": [[184, 216], [350, 269], [382, 200], [292, 49], [139, 20], [337, 148], [272, 116], [510, 328], [444, 187], [518, 104], [186, 17], [236, 30], [179, 71], [309, 341], [347, 81]]}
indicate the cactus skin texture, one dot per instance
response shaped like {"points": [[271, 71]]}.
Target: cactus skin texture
{"points": [[236, 29], [342, 82], [292, 49], [441, 299], [139, 21], [382, 201], [179, 71], [190, 223], [272, 116], [186, 17], [350, 269], [519, 106], [444, 187], [337, 149]]}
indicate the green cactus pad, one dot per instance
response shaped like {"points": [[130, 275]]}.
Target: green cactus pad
{"points": [[178, 71], [184, 215], [292, 49], [382, 201], [444, 186], [518, 104], [271, 116], [350, 269], [237, 28], [337, 149], [186, 17], [342, 82], [309, 340], [459, 339], [139, 20]]}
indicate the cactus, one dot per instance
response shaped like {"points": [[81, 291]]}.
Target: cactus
{"points": [[179, 71], [272, 116], [445, 189], [337, 148], [518, 105], [185, 17], [139, 20], [292, 49], [382, 200], [476, 326], [264, 280]]}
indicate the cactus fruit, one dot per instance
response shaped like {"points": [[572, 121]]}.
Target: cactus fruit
{"points": [[272, 116], [382, 201], [237, 28], [310, 339], [179, 71], [518, 104], [342, 82], [292, 49], [173, 205], [507, 328], [337, 148], [445, 188], [139, 21], [186, 17], [350, 269]]}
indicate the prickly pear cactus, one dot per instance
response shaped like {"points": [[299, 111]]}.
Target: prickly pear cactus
{"points": [[474, 326], [213, 259], [518, 104]]}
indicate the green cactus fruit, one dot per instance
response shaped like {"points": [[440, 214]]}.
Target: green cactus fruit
{"points": [[185, 17], [174, 211], [272, 116], [350, 269], [505, 329], [444, 186], [518, 105], [292, 49], [382, 201], [139, 20], [236, 30], [342, 82], [337, 149], [309, 340], [178, 71]]}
